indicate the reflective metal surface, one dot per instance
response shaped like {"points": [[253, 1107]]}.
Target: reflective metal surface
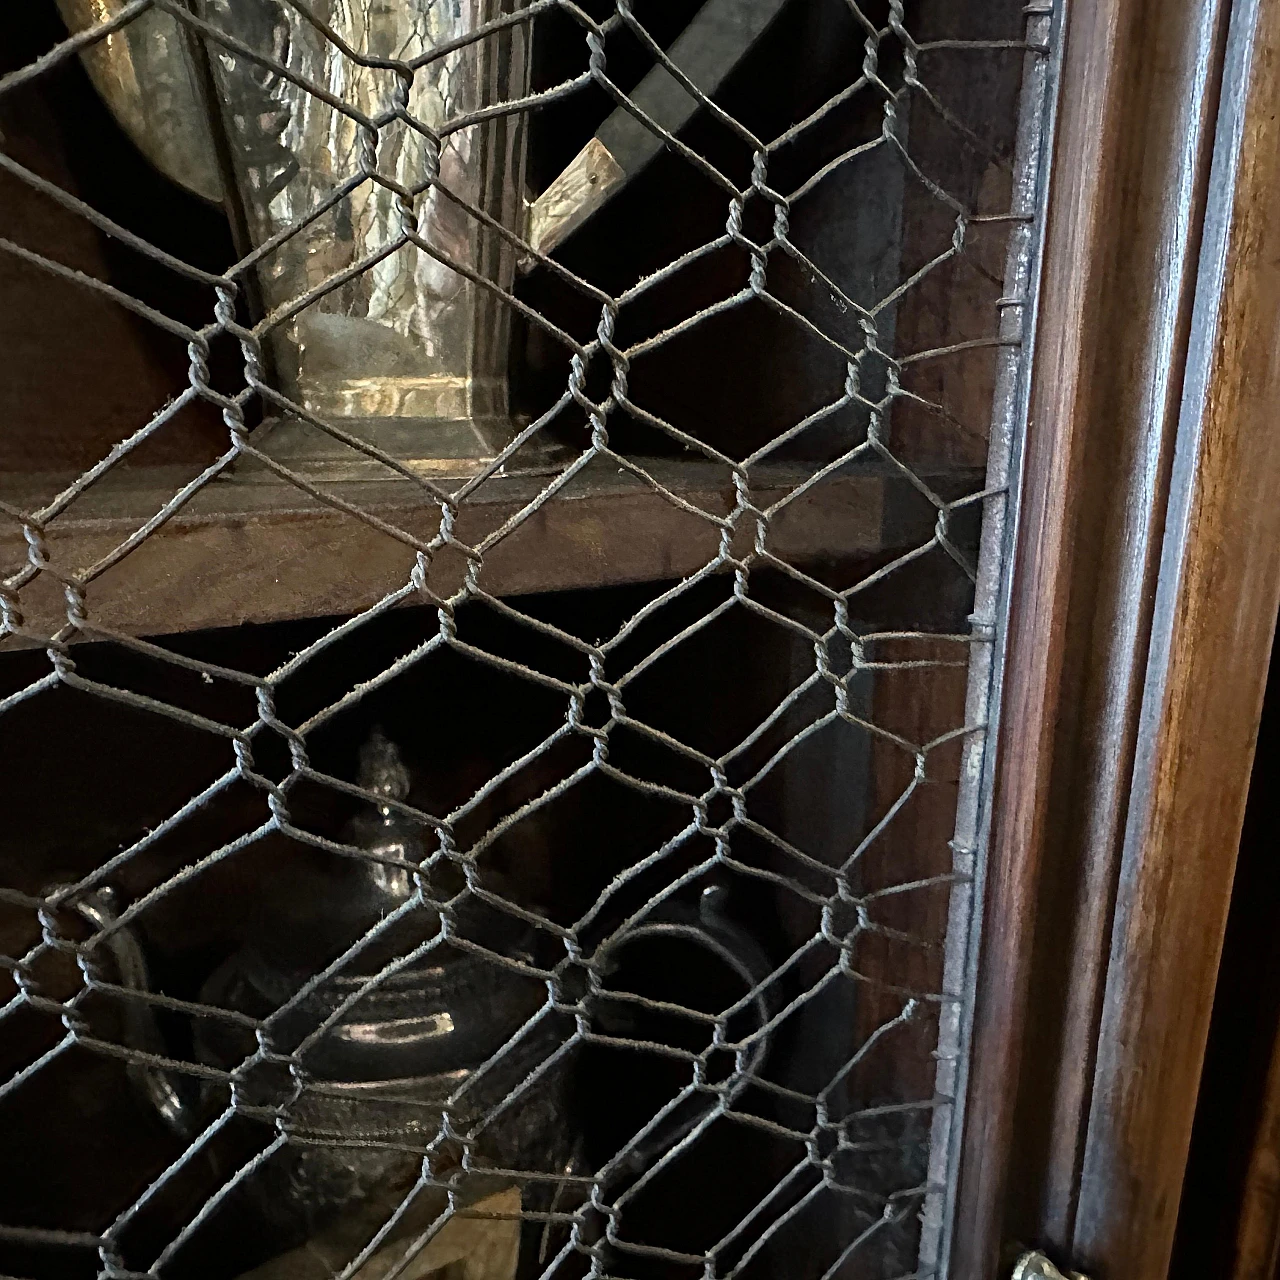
{"points": [[99, 909], [377, 183], [145, 75], [410, 336], [1035, 1266], [372, 241]]}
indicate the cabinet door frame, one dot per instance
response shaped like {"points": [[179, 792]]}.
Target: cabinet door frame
{"points": [[1144, 594]]}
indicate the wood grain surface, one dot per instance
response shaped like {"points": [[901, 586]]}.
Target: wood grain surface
{"points": [[1138, 98], [1170, 96], [1212, 632], [252, 552]]}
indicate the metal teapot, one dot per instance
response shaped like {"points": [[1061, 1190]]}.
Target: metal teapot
{"points": [[423, 1065], [373, 153]]}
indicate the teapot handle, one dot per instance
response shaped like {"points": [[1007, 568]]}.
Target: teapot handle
{"points": [[157, 1085], [707, 926], [705, 52]]}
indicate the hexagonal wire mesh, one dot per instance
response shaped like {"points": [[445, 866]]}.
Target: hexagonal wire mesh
{"points": [[538, 833]]}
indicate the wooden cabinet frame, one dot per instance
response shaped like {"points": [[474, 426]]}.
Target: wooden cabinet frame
{"points": [[1140, 616], [1144, 595]]}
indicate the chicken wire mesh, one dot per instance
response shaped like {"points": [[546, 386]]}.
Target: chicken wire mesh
{"points": [[564, 497]]}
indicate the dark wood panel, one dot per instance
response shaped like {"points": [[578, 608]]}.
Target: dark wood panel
{"points": [[1137, 98], [1170, 91], [921, 704], [1212, 632]]}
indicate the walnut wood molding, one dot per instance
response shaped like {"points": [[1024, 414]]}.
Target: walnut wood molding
{"points": [[1212, 631], [1138, 104]]}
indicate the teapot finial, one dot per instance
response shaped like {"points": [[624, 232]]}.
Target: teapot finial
{"points": [[382, 771]]}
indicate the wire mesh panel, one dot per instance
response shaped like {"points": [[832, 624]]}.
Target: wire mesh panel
{"points": [[503, 519]]}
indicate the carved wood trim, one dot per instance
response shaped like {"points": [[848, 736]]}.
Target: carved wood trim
{"points": [[1213, 625], [1138, 100]]}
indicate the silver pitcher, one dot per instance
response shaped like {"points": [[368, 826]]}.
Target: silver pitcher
{"points": [[373, 151]]}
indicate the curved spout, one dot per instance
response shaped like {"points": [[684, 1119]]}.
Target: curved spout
{"points": [[144, 74], [703, 925]]}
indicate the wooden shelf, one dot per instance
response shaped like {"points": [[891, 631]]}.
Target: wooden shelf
{"points": [[257, 551]]}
